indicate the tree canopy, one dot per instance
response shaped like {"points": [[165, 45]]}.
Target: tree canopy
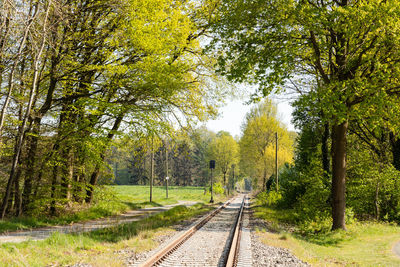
{"points": [[225, 151], [343, 55], [80, 73], [257, 145]]}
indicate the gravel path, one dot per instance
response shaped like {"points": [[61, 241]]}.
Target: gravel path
{"points": [[396, 249], [45, 232]]}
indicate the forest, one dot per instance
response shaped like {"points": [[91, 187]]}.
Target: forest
{"points": [[74, 75], [96, 92]]}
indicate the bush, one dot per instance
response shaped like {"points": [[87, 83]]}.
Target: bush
{"points": [[270, 198], [217, 188]]}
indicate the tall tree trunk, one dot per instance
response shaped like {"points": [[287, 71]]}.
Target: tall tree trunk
{"points": [[14, 67], [10, 204], [339, 142], [95, 174], [21, 133], [325, 150], [17, 196], [225, 181], [34, 137], [53, 191], [264, 187], [376, 200], [67, 172], [395, 143], [30, 164]]}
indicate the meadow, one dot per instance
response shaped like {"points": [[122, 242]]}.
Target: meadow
{"points": [[110, 201]]}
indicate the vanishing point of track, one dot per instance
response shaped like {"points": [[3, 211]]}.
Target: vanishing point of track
{"points": [[213, 241]]}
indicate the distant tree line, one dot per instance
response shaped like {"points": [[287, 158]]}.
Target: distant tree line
{"points": [[183, 169], [188, 156]]}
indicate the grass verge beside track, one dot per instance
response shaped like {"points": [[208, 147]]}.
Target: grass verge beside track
{"points": [[106, 247], [363, 244]]}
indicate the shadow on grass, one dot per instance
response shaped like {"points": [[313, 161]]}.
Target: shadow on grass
{"points": [[152, 204], [132, 206], [328, 239], [20, 223], [286, 220], [163, 219], [140, 205]]}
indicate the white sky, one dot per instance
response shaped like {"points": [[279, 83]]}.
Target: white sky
{"points": [[232, 116]]}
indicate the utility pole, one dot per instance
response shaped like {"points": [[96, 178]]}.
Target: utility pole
{"points": [[233, 176], [166, 166], [276, 161], [152, 169]]}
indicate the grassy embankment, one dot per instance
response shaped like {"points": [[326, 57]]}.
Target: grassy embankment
{"points": [[106, 247], [111, 200], [363, 244]]}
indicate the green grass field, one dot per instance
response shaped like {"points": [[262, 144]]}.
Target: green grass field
{"points": [[138, 196], [363, 244], [112, 200]]}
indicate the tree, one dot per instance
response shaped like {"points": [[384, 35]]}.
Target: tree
{"points": [[80, 74], [347, 49], [225, 151], [201, 139], [257, 145]]}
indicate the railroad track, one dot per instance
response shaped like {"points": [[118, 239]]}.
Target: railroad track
{"points": [[214, 241]]}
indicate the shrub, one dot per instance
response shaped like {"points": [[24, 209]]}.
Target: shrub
{"points": [[270, 198], [217, 188]]}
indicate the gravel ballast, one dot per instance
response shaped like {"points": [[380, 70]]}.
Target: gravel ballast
{"points": [[264, 255]]}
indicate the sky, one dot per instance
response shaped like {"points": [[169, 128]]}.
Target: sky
{"points": [[232, 116]]}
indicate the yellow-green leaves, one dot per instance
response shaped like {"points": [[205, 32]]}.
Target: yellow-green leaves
{"points": [[257, 145], [158, 26], [225, 151]]}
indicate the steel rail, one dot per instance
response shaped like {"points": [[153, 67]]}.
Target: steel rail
{"points": [[233, 255], [171, 247]]}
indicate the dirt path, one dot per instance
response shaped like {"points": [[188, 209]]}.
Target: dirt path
{"points": [[396, 249], [87, 226]]}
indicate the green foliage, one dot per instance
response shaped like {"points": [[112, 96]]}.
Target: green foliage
{"points": [[373, 185], [313, 207], [346, 72], [218, 188], [225, 151], [270, 198], [108, 69], [257, 144]]}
